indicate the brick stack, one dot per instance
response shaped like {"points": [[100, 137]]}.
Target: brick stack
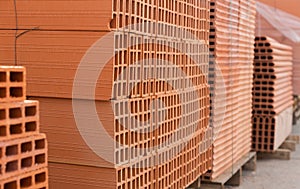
{"points": [[231, 43], [272, 94], [288, 14], [23, 150], [54, 37], [244, 79]]}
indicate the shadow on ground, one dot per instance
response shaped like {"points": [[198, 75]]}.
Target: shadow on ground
{"points": [[275, 174]]}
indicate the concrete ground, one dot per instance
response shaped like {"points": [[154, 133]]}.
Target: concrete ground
{"points": [[275, 174]]}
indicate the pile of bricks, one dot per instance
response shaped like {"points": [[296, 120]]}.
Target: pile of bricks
{"points": [[272, 94], [288, 10], [23, 150], [232, 45], [142, 110]]}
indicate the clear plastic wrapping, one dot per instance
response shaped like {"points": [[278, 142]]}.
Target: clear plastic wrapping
{"points": [[285, 23]]}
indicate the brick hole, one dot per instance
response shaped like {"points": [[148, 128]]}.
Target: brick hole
{"points": [[16, 76], [117, 157], [26, 162], [15, 129], [0, 155], [40, 178], [113, 22], [11, 185], [26, 182], [40, 144], [16, 92], [2, 76], [30, 111], [15, 113], [120, 20], [26, 147], [11, 166], [115, 5], [30, 126], [40, 159], [2, 114], [2, 92], [127, 7], [119, 176], [11, 150], [3, 131]]}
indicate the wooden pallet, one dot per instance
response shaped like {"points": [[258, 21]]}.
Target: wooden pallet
{"points": [[284, 151], [231, 177]]}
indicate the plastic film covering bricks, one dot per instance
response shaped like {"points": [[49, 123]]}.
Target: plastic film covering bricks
{"points": [[282, 26], [153, 94], [284, 22]]}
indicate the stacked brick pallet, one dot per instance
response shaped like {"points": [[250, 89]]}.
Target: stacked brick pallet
{"points": [[23, 150], [272, 94], [278, 20], [231, 42], [54, 37]]}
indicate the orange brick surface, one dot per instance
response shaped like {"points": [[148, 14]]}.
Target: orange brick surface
{"points": [[231, 43], [265, 28], [23, 150], [19, 119], [52, 43], [12, 84], [272, 94]]}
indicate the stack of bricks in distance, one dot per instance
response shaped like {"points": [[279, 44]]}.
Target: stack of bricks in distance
{"points": [[232, 45], [272, 94], [23, 150], [266, 28], [173, 31]]}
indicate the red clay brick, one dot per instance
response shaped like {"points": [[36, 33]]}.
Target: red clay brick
{"points": [[19, 119], [19, 156]]}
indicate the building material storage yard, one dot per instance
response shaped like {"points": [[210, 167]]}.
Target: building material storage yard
{"points": [[142, 93]]}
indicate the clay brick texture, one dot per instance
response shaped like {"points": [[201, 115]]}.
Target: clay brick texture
{"points": [[231, 71], [272, 94], [51, 38], [12, 84], [265, 28], [23, 150], [22, 155], [64, 42], [141, 100], [37, 179], [19, 119]]}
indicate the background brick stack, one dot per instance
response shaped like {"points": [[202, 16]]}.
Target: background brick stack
{"points": [[23, 150], [272, 94], [51, 38], [289, 16], [231, 43]]}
